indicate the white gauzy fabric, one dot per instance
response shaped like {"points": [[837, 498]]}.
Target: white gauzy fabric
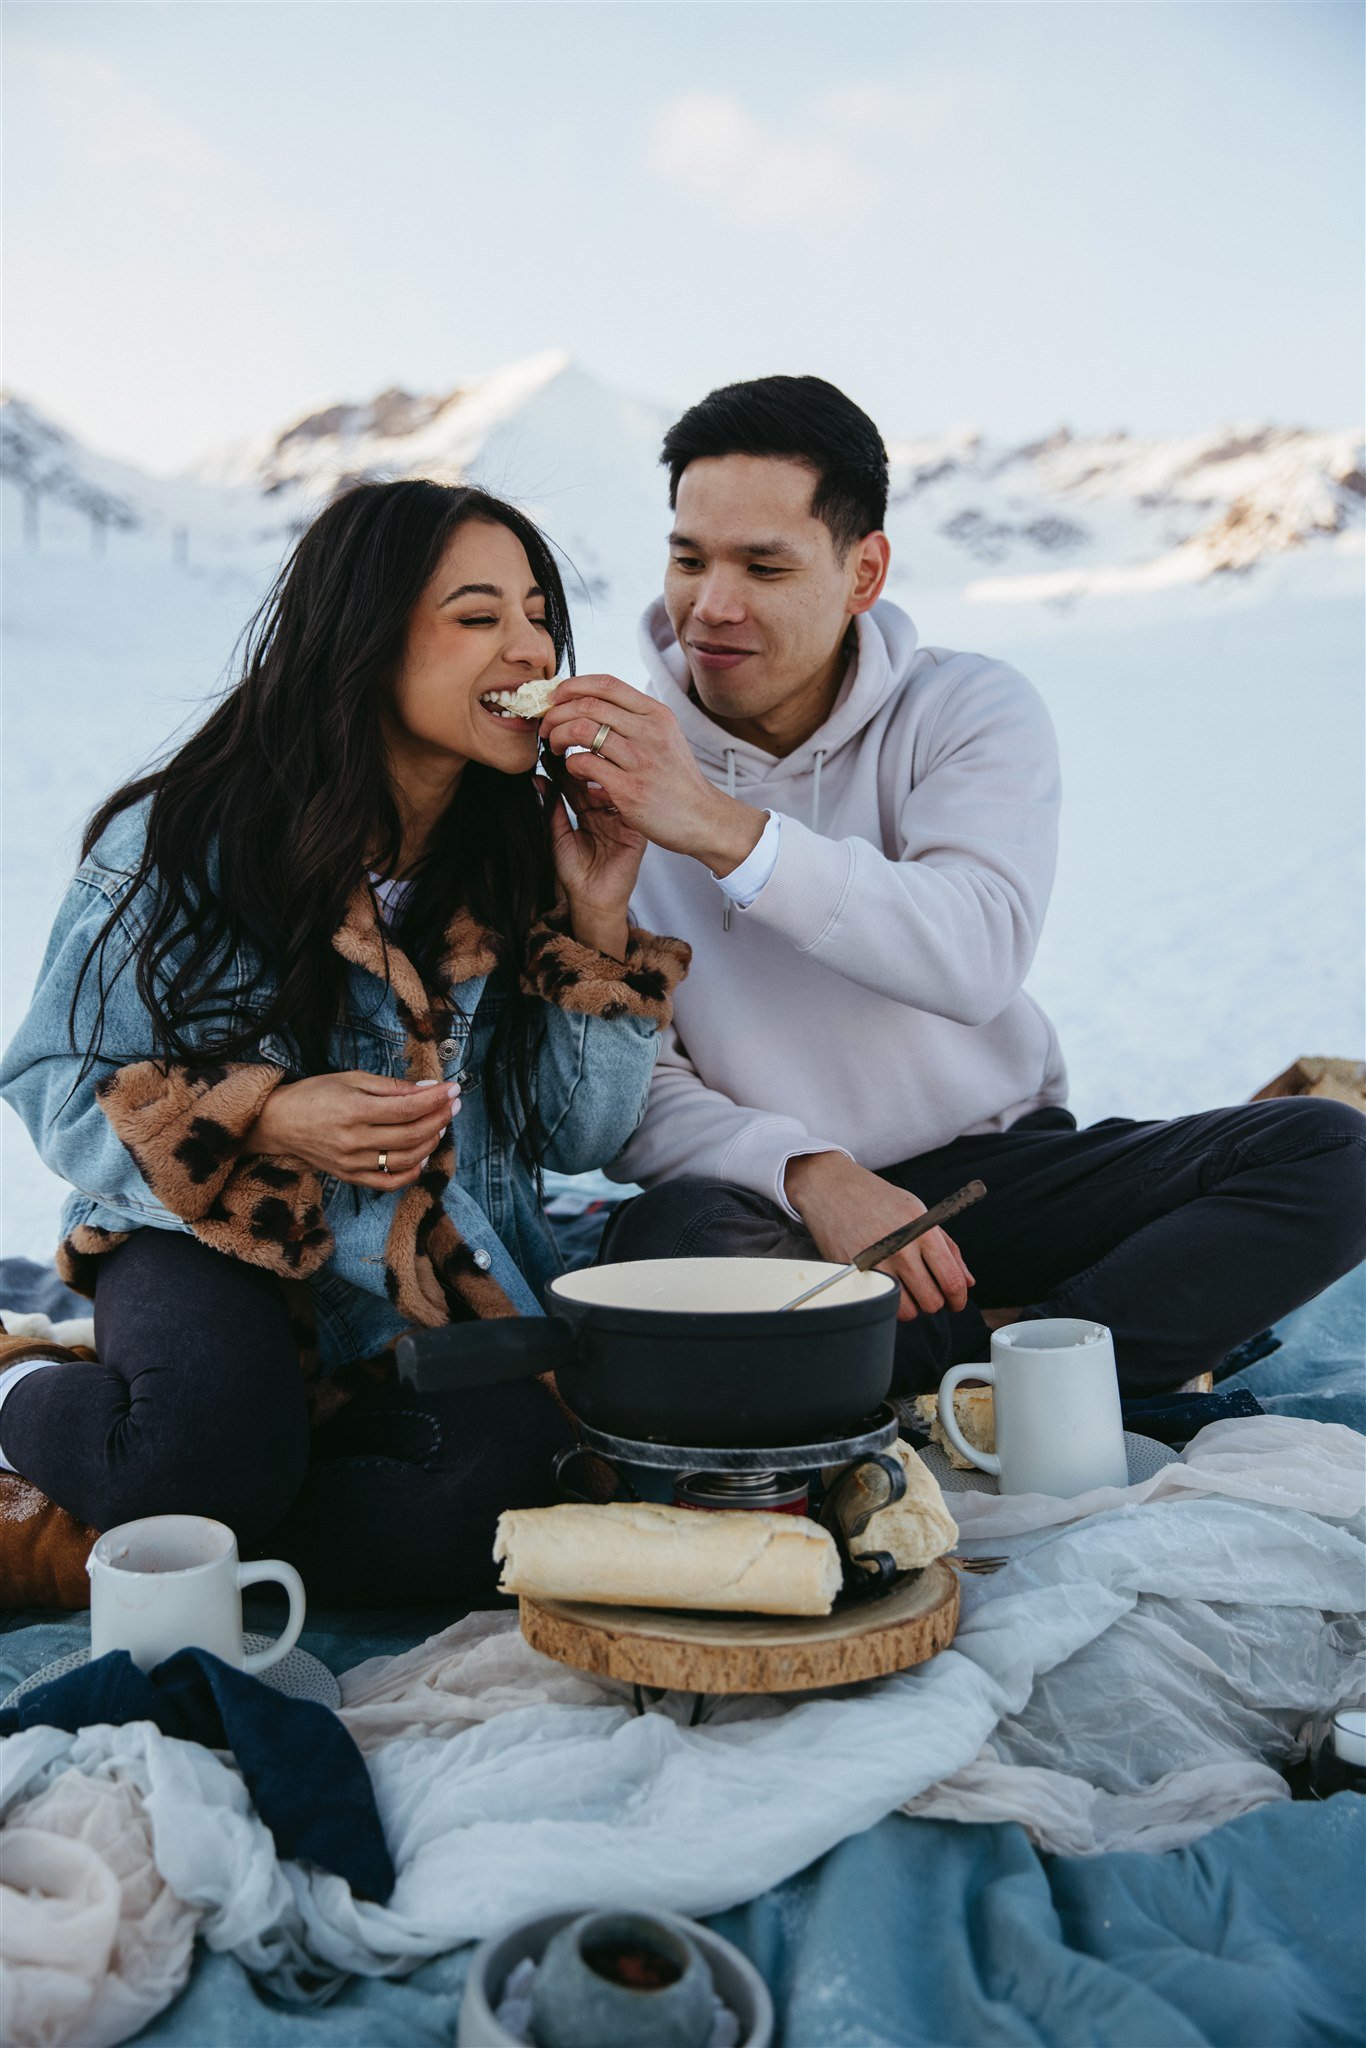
{"points": [[93, 1943], [1127, 1682], [1279, 1460]]}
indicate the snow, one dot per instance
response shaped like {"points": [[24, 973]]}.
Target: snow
{"points": [[1206, 925]]}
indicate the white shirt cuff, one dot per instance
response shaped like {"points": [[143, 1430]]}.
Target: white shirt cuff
{"points": [[799, 1152], [744, 883]]}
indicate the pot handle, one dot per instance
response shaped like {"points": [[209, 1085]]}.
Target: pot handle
{"points": [[460, 1356]]}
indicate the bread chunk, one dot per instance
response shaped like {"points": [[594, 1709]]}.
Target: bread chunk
{"points": [[914, 1530], [975, 1414], [530, 700]]}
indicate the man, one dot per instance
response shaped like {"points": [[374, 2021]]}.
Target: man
{"points": [[857, 836]]}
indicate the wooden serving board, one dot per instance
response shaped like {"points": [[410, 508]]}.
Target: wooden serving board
{"points": [[674, 1650]]}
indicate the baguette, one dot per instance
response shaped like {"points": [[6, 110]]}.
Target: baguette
{"points": [[638, 1554]]}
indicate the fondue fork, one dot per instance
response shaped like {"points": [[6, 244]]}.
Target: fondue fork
{"points": [[873, 1254]]}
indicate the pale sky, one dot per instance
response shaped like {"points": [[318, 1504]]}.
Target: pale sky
{"points": [[1016, 213]]}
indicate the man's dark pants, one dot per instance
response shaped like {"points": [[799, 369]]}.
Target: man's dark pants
{"points": [[1186, 1237]]}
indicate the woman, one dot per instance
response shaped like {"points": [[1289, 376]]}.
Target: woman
{"points": [[342, 912]]}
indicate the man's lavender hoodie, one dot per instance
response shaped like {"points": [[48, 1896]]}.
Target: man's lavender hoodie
{"points": [[870, 999]]}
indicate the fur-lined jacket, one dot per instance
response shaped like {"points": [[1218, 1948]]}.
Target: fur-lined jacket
{"points": [[143, 1144]]}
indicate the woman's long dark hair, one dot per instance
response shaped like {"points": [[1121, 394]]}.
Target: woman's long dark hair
{"points": [[262, 823]]}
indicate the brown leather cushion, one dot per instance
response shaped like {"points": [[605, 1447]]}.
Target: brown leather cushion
{"points": [[43, 1549]]}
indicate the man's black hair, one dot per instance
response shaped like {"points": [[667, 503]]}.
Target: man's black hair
{"points": [[798, 419]]}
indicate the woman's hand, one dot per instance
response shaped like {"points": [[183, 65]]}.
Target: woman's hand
{"points": [[341, 1123], [597, 868]]}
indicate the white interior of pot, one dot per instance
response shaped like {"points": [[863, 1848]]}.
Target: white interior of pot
{"points": [[716, 1286]]}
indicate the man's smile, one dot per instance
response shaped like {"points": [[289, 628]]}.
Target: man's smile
{"points": [[715, 654]]}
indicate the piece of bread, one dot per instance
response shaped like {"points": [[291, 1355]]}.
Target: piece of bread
{"points": [[975, 1414], [531, 700], [916, 1529], [637, 1554]]}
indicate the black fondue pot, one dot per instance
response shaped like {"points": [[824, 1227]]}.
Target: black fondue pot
{"points": [[688, 1351]]}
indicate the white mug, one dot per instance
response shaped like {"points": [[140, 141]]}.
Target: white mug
{"points": [[1058, 1424], [173, 1582]]}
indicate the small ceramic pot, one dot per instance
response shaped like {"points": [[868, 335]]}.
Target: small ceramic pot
{"points": [[733, 1975], [621, 1980]]}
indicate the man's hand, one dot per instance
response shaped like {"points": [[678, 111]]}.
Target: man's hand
{"points": [[646, 771], [845, 1207], [340, 1123]]}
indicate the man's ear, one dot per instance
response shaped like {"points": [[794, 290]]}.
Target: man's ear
{"points": [[869, 563]]}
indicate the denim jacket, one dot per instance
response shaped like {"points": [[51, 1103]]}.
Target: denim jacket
{"points": [[147, 1144]]}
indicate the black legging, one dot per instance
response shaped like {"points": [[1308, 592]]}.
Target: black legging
{"points": [[197, 1406]]}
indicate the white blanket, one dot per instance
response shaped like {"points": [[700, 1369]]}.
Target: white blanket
{"points": [[1127, 1682]]}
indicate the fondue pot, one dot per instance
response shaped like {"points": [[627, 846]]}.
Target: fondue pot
{"points": [[695, 1351]]}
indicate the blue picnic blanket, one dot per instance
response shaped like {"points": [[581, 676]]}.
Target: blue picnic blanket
{"points": [[929, 1934], [925, 1934]]}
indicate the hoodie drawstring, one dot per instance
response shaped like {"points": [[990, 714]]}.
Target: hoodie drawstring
{"points": [[730, 791], [816, 789], [817, 762]]}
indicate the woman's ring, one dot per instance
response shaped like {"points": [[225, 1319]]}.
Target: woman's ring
{"points": [[600, 739], [384, 1162]]}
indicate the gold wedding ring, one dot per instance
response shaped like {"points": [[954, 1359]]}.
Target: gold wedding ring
{"points": [[384, 1162], [600, 739]]}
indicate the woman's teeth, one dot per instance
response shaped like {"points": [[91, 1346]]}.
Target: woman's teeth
{"points": [[496, 702]]}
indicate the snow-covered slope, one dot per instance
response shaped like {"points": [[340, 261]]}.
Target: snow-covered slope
{"points": [[1062, 518], [57, 490], [1206, 924], [41, 461]]}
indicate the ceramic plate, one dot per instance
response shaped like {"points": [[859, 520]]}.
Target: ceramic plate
{"points": [[1146, 1456], [299, 1674]]}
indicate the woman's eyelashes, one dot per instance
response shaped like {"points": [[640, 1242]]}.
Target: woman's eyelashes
{"points": [[492, 619]]}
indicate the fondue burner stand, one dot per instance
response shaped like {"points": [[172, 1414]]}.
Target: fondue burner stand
{"points": [[775, 1478], [767, 1477]]}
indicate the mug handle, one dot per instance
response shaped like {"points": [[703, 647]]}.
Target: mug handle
{"points": [[274, 1569], [985, 1461]]}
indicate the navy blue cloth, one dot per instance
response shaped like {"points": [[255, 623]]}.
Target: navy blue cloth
{"points": [[1244, 1356], [1176, 1418], [307, 1779]]}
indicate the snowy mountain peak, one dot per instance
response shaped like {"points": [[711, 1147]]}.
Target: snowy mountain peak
{"points": [[395, 433], [394, 412]]}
